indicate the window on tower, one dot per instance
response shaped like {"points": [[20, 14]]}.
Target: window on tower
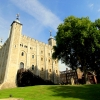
{"points": [[21, 45], [21, 65], [49, 60], [22, 54], [48, 54], [32, 67], [50, 70], [41, 59], [25, 46], [56, 71], [41, 52], [32, 56], [42, 69]]}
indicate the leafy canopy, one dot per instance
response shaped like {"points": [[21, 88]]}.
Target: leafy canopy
{"points": [[78, 40]]}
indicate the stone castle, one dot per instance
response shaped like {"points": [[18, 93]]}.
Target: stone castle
{"points": [[20, 51]]}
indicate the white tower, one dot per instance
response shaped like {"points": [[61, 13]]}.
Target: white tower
{"points": [[51, 40]]}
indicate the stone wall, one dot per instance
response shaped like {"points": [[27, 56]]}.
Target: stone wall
{"points": [[22, 51]]}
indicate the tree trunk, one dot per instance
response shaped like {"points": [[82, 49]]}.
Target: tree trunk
{"points": [[85, 75]]}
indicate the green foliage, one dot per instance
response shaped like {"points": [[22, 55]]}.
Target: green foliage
{"points": [[97, 23], [77, 40]]}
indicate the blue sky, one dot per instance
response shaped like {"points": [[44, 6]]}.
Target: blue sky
{"points": [[40, 16]]}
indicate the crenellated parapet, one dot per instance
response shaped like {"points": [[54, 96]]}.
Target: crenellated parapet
{"points": [[21, 51], [29, 39]]}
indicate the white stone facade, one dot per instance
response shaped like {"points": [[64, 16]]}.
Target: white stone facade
{"points": [[20, 51]]}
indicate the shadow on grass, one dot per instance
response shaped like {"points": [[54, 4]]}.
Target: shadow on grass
{"points": [[82, 92]]}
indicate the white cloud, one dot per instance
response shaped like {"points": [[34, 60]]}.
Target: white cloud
{"points": [[98, 10], [91, 6], [39, 12]]}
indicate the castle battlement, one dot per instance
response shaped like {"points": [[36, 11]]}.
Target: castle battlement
{"points": [[20, 51], [34, 40]]}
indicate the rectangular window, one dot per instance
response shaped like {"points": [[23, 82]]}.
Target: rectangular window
{"points": [[50, 70], [48, 54], [32, 56], [42, 69], [41, 52], [32, 67], [41, 59]]}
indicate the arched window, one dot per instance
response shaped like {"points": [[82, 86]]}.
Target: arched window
{"points": [[50, 70], [21, 65], [32, 67], [22, 54], [41, 52], [49, 60], [41, 59], [56, 71], [48, 54], [42, 69]]}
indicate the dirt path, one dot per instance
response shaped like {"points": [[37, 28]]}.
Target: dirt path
{"points": [[12, 99]]}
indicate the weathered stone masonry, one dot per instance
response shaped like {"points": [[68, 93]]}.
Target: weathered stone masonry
{"points": [[20, 51]]}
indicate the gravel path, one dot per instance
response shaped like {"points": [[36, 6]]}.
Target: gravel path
{"points": [[12, 99]]}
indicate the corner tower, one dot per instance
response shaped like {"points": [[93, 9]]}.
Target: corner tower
{"points": [[13, 54], [51, 40]]}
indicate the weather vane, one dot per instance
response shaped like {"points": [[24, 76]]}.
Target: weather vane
{"points": [[1, 40], [17, 16], [50, 33]]}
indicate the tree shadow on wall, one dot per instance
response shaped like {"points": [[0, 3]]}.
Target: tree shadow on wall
{"points": [[27, 78], [78, 92]]}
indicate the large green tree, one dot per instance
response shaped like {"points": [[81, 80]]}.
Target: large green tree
{"points": [[78, 42]]}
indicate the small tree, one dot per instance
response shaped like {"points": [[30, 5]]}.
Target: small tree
{"points": [[78, 39]]}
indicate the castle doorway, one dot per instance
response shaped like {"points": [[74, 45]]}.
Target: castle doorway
{"points": [[21, 65]]}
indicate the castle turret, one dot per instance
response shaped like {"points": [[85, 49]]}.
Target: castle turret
{"points": [[16, 27], [51, 40], [13, 54]]}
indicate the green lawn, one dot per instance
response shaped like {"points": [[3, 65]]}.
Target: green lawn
{"points": [[54, 92]]}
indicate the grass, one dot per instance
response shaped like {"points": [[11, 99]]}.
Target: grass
{"points": [[54, 92]]}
